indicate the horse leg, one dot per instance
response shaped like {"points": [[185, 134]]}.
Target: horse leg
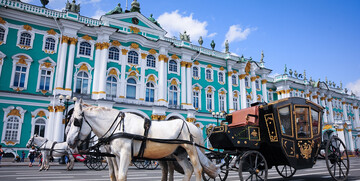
{"points": [[124, 162], [183, 161], [43, 162], [164, 170], [72, 161], [191, 150], [112, 165], [171, 170]]}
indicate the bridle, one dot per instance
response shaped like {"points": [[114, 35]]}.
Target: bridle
{"points": [[32, 142]]}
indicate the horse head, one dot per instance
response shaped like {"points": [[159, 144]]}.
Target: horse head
{"points": [[77, 131], [31, 141]]}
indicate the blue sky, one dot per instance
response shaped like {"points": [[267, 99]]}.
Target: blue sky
{"points": [[321, 37]]}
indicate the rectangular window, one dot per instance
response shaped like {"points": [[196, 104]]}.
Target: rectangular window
{"points": [[209, 101], [45, 80], [196, 99], [235, 102], [285, 120], [302, 122], [20, 74], [222, 103]]}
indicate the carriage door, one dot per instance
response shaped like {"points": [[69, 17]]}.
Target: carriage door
{"points": [[304, 134]]}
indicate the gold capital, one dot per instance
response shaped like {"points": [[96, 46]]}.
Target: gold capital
{"points": [[253, 79], [143, 55], [105, 45], [264, 81], [124, 51], [188, 65], [73, 41], [242, 76]]}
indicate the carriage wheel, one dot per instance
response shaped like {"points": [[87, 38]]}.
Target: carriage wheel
{"points": [[224, 168], [152, 165], [253, 166], [140, 164], [337, 159], [285, 171], [100, 163]]}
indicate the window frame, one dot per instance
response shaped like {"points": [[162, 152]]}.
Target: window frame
{"points": [[174, 66], [26, 47], [154, 62], [211, 75], [25, 61], [91, 42], [6, 28], [291, 120], [136, 87], [49, 65], [198, 72], [56, 38], [19, 114], [234, 81], [111, 96], [309, 121], [177, 96], [128, 55], [85, 67], [118, 54], [148, 99]]}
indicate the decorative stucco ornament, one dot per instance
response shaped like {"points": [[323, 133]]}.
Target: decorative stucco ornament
{"points": [[153, 20], [212, 44], [72, 7], [226, 46], [290, 72], [185, 37], [116, 10], [135, 6], [44, 2], [262, 57], [295, 74], [200, 41]]}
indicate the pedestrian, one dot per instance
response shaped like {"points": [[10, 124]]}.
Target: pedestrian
{"points": [[22, 156], [40, 159], [1, 153], [31, 155]]}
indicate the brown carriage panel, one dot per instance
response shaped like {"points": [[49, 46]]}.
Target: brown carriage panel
{"points": [[288, 147], [271, 127], [241, 118]]}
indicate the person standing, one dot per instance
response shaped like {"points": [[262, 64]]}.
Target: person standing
{"points": [[31, 155], [22, 156], [1, 153]]}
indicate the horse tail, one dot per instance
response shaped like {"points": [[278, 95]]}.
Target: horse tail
{"points": [[208, 166]]}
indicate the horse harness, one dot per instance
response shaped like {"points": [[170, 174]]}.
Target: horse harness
{"points": [[52, 148]]}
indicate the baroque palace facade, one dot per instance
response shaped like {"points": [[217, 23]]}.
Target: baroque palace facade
{"points": [[126, 62]]}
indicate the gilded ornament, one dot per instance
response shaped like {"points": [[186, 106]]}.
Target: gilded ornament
{"points": [[1, 42], [134, 46], [14, 112], [9, 143], [152, 51], [65, 39], [236, 94], [163, 58], [105, 45], [173, 82], [51, 32], [73, 41], [124, 51], [113, 72], [44, 91], [191, 120], [22, 60], [196, 88], [174, 56], [27, 27], [162, 117], [41, 114], [151, 78], [222, 93], [209, 90], [209, 66], [59, 108], [188, 65], [247, 68], [83, 67], [196, 62], [264, 81], [222, 68], [288, 91], [115, 43], [254, 133], [306, 149], [230, 73], [47, 64], [183, 63], [87, 38], [143, 55], [134, 29], [133, 73], [242, 76], [252, 79], [2, 21], [17, 89]]}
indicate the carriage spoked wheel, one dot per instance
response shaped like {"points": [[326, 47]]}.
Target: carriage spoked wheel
{"points": [[152, 165], [95, 162], [253, 166], [140, 164], [224, 163], [337, 159], [285, 171]]}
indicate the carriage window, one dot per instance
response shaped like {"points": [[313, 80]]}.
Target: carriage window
{"points": [[315, 121], [302, 118], [285, 121]]}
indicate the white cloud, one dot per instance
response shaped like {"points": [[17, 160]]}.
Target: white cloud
{"points": [[26, 1], [175, 23], [212, 35], [98, 14], [236, 33], [354, 87]]}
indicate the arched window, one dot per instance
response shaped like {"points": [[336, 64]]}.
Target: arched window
{"points": [[40, 125], [257, 84], [172, 66], [133, 57], [196, 99], [247, 84], [20, 75], [25, 39], [50, 44], [131, 88], [45, 79], [85, 48], [2, 34], [82, 83], [150, 92], [208, 75], [221, 76], [173, 95], [234, 82], [195, 72], [150, 61], [12, 128], [111, 87], [114, 53]]}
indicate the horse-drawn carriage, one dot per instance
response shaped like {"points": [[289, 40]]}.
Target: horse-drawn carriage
{"points": [[286, 134]]}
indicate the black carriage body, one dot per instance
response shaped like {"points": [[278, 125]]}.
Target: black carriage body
{"points": [[288, 133]]}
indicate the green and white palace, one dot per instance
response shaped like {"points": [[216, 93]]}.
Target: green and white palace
{"points": [[125, 61]]}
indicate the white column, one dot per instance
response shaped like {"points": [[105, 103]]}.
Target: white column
{"points": [[123, 59], [331, 117], [323, 99], [61, 64], [357, 141], [345, 111], [357, 121], [315, 99], [58, 124], [49, 130], [70, 65], [242, 91], [162, 80], [189, 85], [142, 77], [351, 141], [340, 132], [102, 72], [230, 90], [183, 84], [253, 89], [264, 90], [95, 88]]}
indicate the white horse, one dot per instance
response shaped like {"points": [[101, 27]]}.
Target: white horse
{"points": [[46, 147], [104, 122]]}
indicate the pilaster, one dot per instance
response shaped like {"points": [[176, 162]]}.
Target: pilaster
{"points": [[323, 99], [102, 72], [189, 86], [183, 85], [253, 89], [331, 112], [242, 91], [230, 90], [264, 90], [162, 79], [58, 124], [95, 88], [70, 65]]}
